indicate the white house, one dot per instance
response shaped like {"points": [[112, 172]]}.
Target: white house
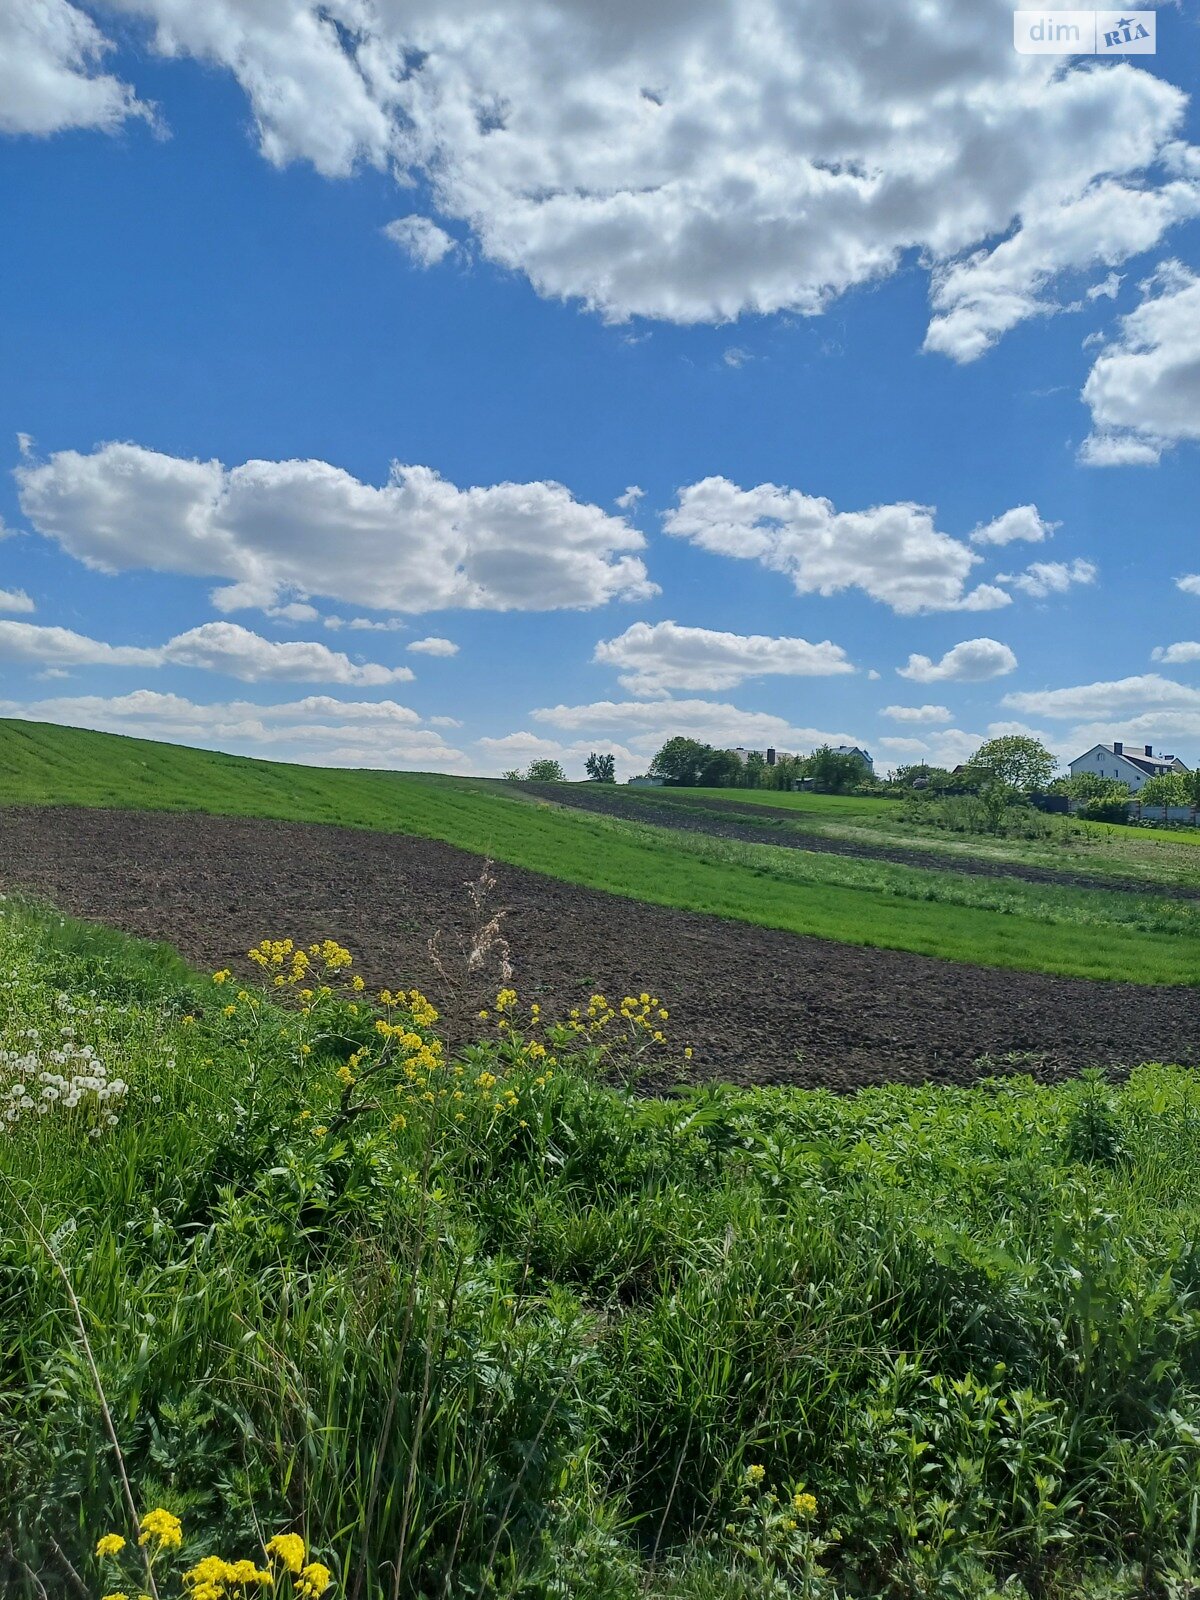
{"points": [[1131, 765], [855, 750]]}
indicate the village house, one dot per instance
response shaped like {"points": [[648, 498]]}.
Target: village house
{"points": [[1132, 765]]}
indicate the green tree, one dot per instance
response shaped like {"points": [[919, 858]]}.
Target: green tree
{"points": [[722, 770], [1015, 759], [1098, 799], [1166, 790], [601, 768], [681, 761], [787, 771], [546, 770], [754, 773], [833, 772]]}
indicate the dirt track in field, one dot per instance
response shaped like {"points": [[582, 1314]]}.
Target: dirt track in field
{"points": [[758, 1006], [748, 823]]}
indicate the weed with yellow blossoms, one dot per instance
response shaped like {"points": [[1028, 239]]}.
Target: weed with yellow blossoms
{"points": [[286, 1569], [776, 1537]]}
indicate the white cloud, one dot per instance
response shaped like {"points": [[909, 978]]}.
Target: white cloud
{"points": [[655, 658], [317, 730], [1190, 583], [644, 725], [1143, 695], [1119, 450], [1107, 288], [433, 646], [1022, 522], [946, 748], [924, 713], [423, 242], [1144, 388], [1175, 731], [950, 746], [49, 54], [972, 661], [223, 647], [983, 296], [736, 356], [1175, 655], [294, 611], [277, 527], [523, 744], [15, 600], [1041, 578], [676, 161], [628, 501], [368, 625], [894, 553]]}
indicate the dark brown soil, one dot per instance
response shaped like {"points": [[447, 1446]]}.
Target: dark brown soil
{"points": [[758, 1006], [750, 823]]}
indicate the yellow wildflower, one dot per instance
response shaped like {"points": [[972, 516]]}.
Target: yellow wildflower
{"points": [[289, 1549], [119, 1595], [755, 1474], [163, 1526], [223, 976], [805, 1504], [314, 1581], [110, 1544]]}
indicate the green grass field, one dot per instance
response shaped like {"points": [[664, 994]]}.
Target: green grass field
{"points": [[1010, 924], [471, 1324]]}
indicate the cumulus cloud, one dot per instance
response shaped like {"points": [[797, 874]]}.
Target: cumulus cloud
{"points": [[972, 661], [49, 72], [303, 528], [893, 553], [654, 658], [317, 730], [423, 242], [644, 725], [1041, 578], [1144, 694], [1022, 522], [979, 298], [628, 501], [671, 161], [946, 748], [1144, 387], [223, 647], [15, 600], [1190, 583], [926, 713], [1175, 655], [433, 646]]}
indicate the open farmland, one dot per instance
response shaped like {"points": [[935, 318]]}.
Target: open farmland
{"points": [[781, 962]]}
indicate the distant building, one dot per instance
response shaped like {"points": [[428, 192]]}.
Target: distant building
{"points": [[856, 750], [1132, 765], [645, 783], [770, 755]]}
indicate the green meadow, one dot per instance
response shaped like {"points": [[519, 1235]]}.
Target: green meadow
{"points": [[997, 922]]}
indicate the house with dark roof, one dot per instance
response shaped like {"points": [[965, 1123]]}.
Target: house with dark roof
{"points": [[1132, 765]]}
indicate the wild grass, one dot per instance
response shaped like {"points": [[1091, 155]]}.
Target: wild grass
{"points": [[1016, 926], [578, 1343], [567, 1341]]}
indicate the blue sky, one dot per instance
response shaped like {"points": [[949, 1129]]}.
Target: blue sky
{"points": [[835, 294]]}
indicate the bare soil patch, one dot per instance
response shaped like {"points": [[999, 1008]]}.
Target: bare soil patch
{"points": [[745, 821], [758, 1006]]}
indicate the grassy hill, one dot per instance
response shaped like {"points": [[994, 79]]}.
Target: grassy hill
{"points": [[997, 922]]}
